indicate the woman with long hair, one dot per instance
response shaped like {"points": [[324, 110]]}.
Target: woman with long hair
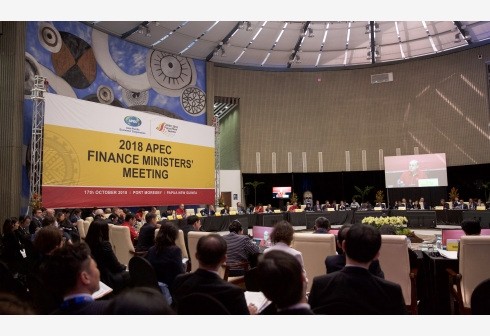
{"points": [[165, 256], [112, 272], [13, 251]]}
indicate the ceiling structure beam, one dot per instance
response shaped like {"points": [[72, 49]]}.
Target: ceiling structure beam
{"points": [[298, 43], [372, 43], [134, 30], [462, 31], [222, 42]]}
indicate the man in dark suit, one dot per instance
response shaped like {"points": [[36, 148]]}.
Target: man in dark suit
{"points": [[336, 262], [146, 236], [72, 276], [288, 297], [211, 254], [354, 290]]}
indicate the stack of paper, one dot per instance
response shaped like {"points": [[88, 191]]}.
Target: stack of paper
{"points": [[258, 299]]}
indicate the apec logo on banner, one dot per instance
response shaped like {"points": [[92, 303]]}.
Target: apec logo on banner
{"points": [[133, 124], [132, 121], [167, 129]]}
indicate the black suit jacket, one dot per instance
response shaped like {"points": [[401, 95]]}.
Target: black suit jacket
{"points": [[336, 262], [355, 291], [202, 281], [97, 307]]}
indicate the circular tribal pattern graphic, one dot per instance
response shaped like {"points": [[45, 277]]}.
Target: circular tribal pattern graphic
{"points": [[193, 101], [131, 98], [63, 166], [168, 74], [49, 37], [105, 94]]}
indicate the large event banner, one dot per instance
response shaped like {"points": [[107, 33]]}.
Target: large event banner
{"points": [[97, 155]]}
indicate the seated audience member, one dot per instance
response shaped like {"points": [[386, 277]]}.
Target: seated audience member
{"points": [[462, 205], [70, 229], [293, 207], [289, 296], [166, 257], [112, 272], [342, 205], [259, 208], [322, 225], [380, 205], [146, 236], [423, 205], [208, 210], [46, 241], [268, 209], [354, 205], [75, 215], [471, 227], [336, 262], [130, 221], [210, 254], [72, 275], [240, 209], [240, 248], [443, 203], [479, 202], [13, 252], [225, 210], [354, 290], [317, 207], [281, 238], [36, 221], [12, 305], [471, 204], [250, 209], [180, 211], [139, 301], [366, 206], [193, 224]]}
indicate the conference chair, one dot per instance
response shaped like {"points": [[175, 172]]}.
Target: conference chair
{"points": [[192, 238], [474, 267], [315, 248], [480, 299], [190, 212], [81, 228], [86, 225], [198, 211], [395, 263], [122, 245], [90, 219], [142, 273], [237, 280]]}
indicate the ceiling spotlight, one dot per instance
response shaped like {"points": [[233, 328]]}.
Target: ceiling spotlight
{"points": [[147, 32], [241, 24], [457, 38], [368, 29], [249, 26], [310, 32], [223, 52], [376, 27]]}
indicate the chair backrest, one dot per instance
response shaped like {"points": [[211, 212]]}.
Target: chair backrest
{"points": [[86, 225], [192, 238], [81, 228], [200, 304], [480, 299], [180, 242], [142, 273], [474, 264], [315, 248], [457, 234], [90, 219], [122, 245], [395, 263], [190, 212]]}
